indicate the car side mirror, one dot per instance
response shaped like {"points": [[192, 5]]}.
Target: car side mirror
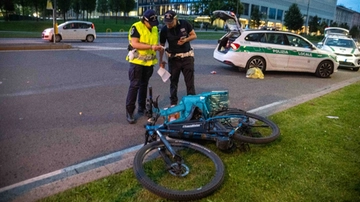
{"points": [[320, 44]]}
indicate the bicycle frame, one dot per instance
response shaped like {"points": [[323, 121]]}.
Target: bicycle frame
{"points": [[205, 127]]}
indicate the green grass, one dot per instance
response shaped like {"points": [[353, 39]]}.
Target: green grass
{"points": [[315, 159], [33, 29]]}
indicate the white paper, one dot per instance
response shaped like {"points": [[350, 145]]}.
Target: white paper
{"points": [[164, 74]]}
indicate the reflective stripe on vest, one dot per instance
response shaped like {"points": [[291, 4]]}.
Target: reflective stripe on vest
{"points": [[145, 57]]}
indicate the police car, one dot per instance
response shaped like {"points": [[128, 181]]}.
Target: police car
{"points": [[341, 43], [270, 50]]}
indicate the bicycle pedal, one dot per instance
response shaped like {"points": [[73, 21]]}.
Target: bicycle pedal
{"points": [[244, 147]]}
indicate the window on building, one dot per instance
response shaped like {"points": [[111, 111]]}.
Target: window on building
{"points": [[254, 7], [272, 13], [246, 9], [279, 15], [264, 11]]}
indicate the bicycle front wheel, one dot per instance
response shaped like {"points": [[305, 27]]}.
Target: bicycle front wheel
{"points": [[199, 174], [253, 128]]}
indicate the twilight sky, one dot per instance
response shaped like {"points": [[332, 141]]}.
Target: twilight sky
{"points": [[351, 4]]}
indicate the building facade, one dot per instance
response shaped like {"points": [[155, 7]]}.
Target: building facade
{"points": [[347, 16], [272, 10]]}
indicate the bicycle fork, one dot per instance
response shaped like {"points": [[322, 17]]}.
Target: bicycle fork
{"points": [[176, 166]]}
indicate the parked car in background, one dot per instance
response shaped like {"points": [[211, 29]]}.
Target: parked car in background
{"points": [[341, 43], [72, 30], [336, 30], [271, 50]]}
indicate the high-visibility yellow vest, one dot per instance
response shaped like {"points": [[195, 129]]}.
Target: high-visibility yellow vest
{"points": [[145, 57]]}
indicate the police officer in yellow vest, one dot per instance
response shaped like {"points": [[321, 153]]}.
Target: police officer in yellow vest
{"points": [[143, 39]]}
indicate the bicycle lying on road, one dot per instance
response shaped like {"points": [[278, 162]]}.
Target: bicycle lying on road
{"points": [[192, 171]]}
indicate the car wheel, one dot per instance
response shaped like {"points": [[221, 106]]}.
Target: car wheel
{"points": [[324, 69], [90, 38], [57, 38], [355, 69], [258, 62]]}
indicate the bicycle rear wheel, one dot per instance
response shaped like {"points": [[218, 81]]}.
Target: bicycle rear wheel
{"points": [[254, 129], [200, 173]]}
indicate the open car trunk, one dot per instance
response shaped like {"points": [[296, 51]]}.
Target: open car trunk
{"points": [[233, 28]]}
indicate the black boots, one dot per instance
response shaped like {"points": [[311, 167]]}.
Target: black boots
{"points": [[130, 117]]}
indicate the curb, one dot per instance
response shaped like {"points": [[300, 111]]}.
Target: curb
{"points": [[34, 46]]}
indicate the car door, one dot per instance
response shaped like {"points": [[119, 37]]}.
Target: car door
{"points": [[69, 31], [83, 30], [301, 51], [77, 31], [276, 51]]}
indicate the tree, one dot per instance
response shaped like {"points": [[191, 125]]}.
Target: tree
{"points": [[202, 7], [39, 5], [102, 7], [344, 25], [293, 18], [355, 32], [8, 6], [230, 5], [333, 24], [323, 25], [88, 6], [76, 6], [63, 6], [255, 17], [314, 24], [129, 6], [116, 6], [24, 6]]}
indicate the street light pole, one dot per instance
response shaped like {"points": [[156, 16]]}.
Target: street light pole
{"points": [[307, 18], [54, 21], [237, 8]]}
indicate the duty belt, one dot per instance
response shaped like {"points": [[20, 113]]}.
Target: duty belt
{"points": [[146, 57], [181, 55]]}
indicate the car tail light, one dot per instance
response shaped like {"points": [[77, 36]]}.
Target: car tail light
{"points": [[92, 26], [235, 46]]}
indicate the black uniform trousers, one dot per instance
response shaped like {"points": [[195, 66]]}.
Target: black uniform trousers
{"points": [[176, 66], [139, 77]]}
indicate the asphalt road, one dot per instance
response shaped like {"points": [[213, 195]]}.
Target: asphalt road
{"points": [[62, 107]]}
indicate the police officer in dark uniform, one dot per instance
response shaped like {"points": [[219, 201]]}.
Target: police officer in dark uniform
{"points": [[178, 34], [143, 44]]}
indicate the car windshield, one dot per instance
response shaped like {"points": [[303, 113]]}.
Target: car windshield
{"points": [[347, 43]]}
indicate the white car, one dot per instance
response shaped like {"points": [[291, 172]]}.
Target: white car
{"points": [[271, 50], [348, 53], [72, 30]]}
